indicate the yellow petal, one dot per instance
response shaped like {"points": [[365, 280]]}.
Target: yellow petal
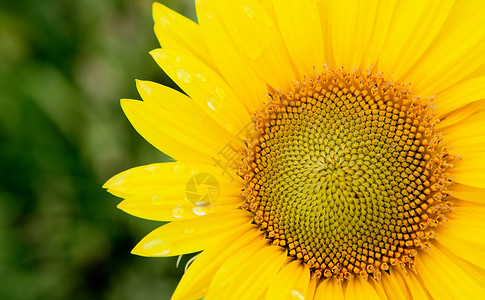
{"points": [[291, 283], [312, 288], [471, 127], [464, 233], [184, 114], [329, 289], [468, 193], [150, 179], [147, 123], [191, 235], [414, 26], [460, 95], [176, 32], [205, 87], [160, 208], [245, 82], [195, 282], [349, 25], [448, 277], [382, 20], [358, 288], [299, 23], [456, 52], [257, 38], [227, 272], [461, 242], [470, 170], [394, 285], [415, 287], [460, 114], [259, 271], [253, 266]]}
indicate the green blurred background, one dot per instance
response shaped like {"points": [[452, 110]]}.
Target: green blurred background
{"points": [[64, 64]]}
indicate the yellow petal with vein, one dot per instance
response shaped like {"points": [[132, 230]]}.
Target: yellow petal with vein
{"points": [[246, 83], [329, 289], [460, 95], [257, 38], [467, 193], [291, 283], [358, 288], [176, 32], [195, 282], [229, 269], [205, 87], [349, 26], [456, 52], [191, 235], [303, 34], [394, 285], [414, 26], [446, 276]]}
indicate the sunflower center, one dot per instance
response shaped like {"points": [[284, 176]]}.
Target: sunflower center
{"points": [[347, 174]]}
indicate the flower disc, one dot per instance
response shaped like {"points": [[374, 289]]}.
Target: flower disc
{"points": [[346, 172]]}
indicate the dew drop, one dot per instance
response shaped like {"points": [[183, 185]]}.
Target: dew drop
{"points": [[201, 77], [212, 103], [178, 212], [200, 211], [295, 294], [249, 11], [161, 246], [151, 169], [189, 231], [164, 21], [157, 200], [183, 76], [220, 92], [202, 208], [179, 168]]}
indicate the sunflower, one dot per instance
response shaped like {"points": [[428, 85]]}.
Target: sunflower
{"points": [[325, 149]]}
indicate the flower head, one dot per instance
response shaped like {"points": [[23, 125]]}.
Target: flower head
{"points": [[324, 149]]}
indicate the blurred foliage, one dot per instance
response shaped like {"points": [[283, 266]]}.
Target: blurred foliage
{"points": [[64, 64]]}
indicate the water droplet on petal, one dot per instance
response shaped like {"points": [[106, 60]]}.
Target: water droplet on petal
{"points": [[161, 246], [183, 76], [220, 92], [157, 200], [201, 77], [151, 169], [200, 211], [249, 11], [164, 21], [213, 103], [178, 168], [189, 231], [297, 295], [178, 212], [202, 208]]}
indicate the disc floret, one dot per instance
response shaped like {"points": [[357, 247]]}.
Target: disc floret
{"points": [[346, 172]]}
